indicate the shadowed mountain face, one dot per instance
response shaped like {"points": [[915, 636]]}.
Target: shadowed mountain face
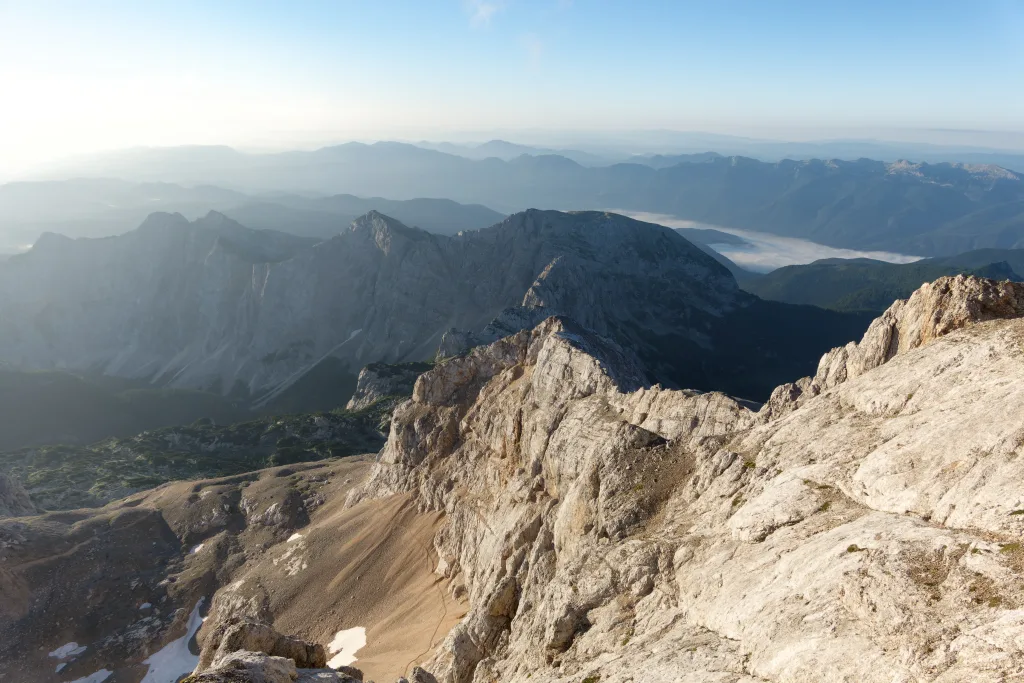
{"points": [[211, 304], [915, 208]]}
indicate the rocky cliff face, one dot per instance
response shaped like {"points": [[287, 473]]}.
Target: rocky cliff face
{"points": [[934, 310], [14, 500], [868, 530], [379, 381], [212, 304]]}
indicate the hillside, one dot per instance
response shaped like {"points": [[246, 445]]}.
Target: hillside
{"points": [[64, 476], [106, 462], [49, 407], [540, 513], [868, 285]]}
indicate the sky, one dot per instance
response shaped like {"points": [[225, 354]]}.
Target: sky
{"points": [[77, 77]]}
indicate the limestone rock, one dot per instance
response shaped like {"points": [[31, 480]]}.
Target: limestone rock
{"points": [[378, 381], [604, 530], [233, 636], [934, 310], [14, 501], [244, 666], [420, 675]]}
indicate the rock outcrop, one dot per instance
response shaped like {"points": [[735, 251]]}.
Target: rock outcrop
{"points": [[245, 651], [379, 381], [936, 309], [14, 500], [243, 634], [606, 531]]}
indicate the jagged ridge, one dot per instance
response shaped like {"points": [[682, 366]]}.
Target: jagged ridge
{"points": [[600, 533]]}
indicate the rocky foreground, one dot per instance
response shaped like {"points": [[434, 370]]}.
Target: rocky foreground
{"points": [[540, 514], [865, 526]]}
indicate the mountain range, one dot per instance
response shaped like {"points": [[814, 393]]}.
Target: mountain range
{"points": [[914, 208], [216, 306], [99, 207]]}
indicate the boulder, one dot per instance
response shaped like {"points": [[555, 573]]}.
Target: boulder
{"points": [[235, 636]]}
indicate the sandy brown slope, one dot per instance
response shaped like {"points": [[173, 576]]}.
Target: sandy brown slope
{"points": [[84, 576]]}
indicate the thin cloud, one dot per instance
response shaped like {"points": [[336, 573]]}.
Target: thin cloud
{"points": [[763, 252], [481, 11]]}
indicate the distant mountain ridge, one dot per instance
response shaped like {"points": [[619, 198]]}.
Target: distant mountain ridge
{"points": [[914, 208], [211, 304], [100, 207], [869, 285]]}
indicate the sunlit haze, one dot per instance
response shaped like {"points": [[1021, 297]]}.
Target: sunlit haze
{"points": [[79, 77]]}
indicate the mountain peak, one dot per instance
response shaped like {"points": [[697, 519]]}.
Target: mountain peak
{"points": [[384, 230], [161, 220]]}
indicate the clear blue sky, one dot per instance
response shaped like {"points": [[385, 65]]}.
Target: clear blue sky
{"points": [[78, 76]]}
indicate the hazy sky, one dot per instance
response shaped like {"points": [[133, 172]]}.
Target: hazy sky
{"points": [[81, 76]]}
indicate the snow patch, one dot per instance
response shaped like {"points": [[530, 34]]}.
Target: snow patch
{"points": [[71, 649], [175, 660], [145, 605], [196, 549], [294, 537], [345, 646], [60, 667], [293, 560], [97, 677]]}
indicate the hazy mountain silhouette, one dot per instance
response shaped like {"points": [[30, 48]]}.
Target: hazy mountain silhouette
{"points": [[930, 209]]}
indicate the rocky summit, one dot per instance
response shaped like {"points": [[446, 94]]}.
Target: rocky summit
{"points": [[540, 512], [213, 305]]}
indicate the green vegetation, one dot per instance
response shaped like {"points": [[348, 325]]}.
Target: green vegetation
{"points": [[394, 369], [864, 284], [69, 476], [63, 407], [326, 386]]}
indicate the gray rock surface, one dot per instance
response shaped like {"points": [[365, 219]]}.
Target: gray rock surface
{"points": [[605, 531], [246, 666], [14, 500], [378, 381], [243, 634], [935, 309], [211, 303]]}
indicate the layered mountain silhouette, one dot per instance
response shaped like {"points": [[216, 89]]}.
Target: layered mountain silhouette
{"points": [[211, 304], [916, 208], [100, 207]]}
